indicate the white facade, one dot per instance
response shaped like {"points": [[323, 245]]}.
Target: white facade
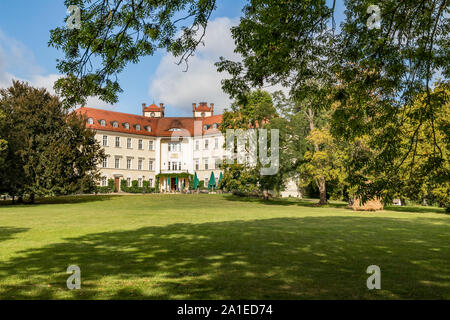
{"points": [[139, 148], [136, 157]]}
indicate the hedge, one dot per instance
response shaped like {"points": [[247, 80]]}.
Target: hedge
{"points": [[111, 187], [135, 187]]}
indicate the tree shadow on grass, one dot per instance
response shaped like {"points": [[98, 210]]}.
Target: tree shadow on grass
{"points": [[331, 204], [62, 200], [281, 258], [416, 209], [7, 233], [285, 202]]}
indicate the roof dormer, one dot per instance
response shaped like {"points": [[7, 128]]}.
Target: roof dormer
{"points": [[153, 111], [203, 110]]}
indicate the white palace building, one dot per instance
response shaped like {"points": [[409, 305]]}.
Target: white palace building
{"points": [[142, 147]]}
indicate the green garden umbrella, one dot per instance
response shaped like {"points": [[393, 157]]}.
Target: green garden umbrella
{"points": [[220, 179], [196, 181], [176, 183], [212, 181]]}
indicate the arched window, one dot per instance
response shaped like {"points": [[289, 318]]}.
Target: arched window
{"points": [[115, 124], [126, 125], [152, 114], [205, 127], [90, 121], [215, 125], [148, 128], [203, 114], [138, 127], [103, 123]]}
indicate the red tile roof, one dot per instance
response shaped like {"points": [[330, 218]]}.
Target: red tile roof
{"points": [[159, 126], [203, 108], [152, 108]]}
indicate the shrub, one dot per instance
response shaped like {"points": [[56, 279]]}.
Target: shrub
{"points": [[134, 188], [111, 187]]}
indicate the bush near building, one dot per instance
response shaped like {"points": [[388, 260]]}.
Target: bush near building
{"points": [[134, 188]]}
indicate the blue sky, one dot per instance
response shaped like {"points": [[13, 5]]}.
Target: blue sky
{"points": [[25, 55]]}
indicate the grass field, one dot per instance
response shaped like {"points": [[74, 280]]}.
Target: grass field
{"points": [[220, 247]]}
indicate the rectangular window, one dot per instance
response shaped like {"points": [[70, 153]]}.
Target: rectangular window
{"points": [[150, 145], [140, 147], [139, 164], [117, 142], [129, 164], [205, 161], [216, 143], [129, 182], [197, 145], [129, 145], [174, 166], [206, 144], [140, 182], [105, 141], [104, 182], [150, 182], [169, 166], [117, 163], [174, 146], [197, 165], [105, 162], [150, 165]]}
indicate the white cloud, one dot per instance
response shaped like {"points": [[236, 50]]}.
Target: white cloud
{"points": [[202, 82], [14, 55]]}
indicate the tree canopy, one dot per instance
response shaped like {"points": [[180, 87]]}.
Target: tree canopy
{"points": [[372, 76], [114, 33], [50, 151]]}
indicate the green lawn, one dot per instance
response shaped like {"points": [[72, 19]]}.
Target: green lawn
{"points": [[219, 247]]}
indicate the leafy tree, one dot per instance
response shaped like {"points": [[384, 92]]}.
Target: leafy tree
{"points": [[322, 163], [50, 150], [115, 33], [255, 110], [3, 142], [418, 178], [315, 156], [373, 73], [3, 153]]}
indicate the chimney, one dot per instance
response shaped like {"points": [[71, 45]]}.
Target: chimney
{"points": [[212, 109], [143, 107], [161, 106], [194, 106]]}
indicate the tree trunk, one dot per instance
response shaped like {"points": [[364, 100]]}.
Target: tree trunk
{"points": [[323, 192], [12, 199], [266, 194], [32, 198], [20, 200]]}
